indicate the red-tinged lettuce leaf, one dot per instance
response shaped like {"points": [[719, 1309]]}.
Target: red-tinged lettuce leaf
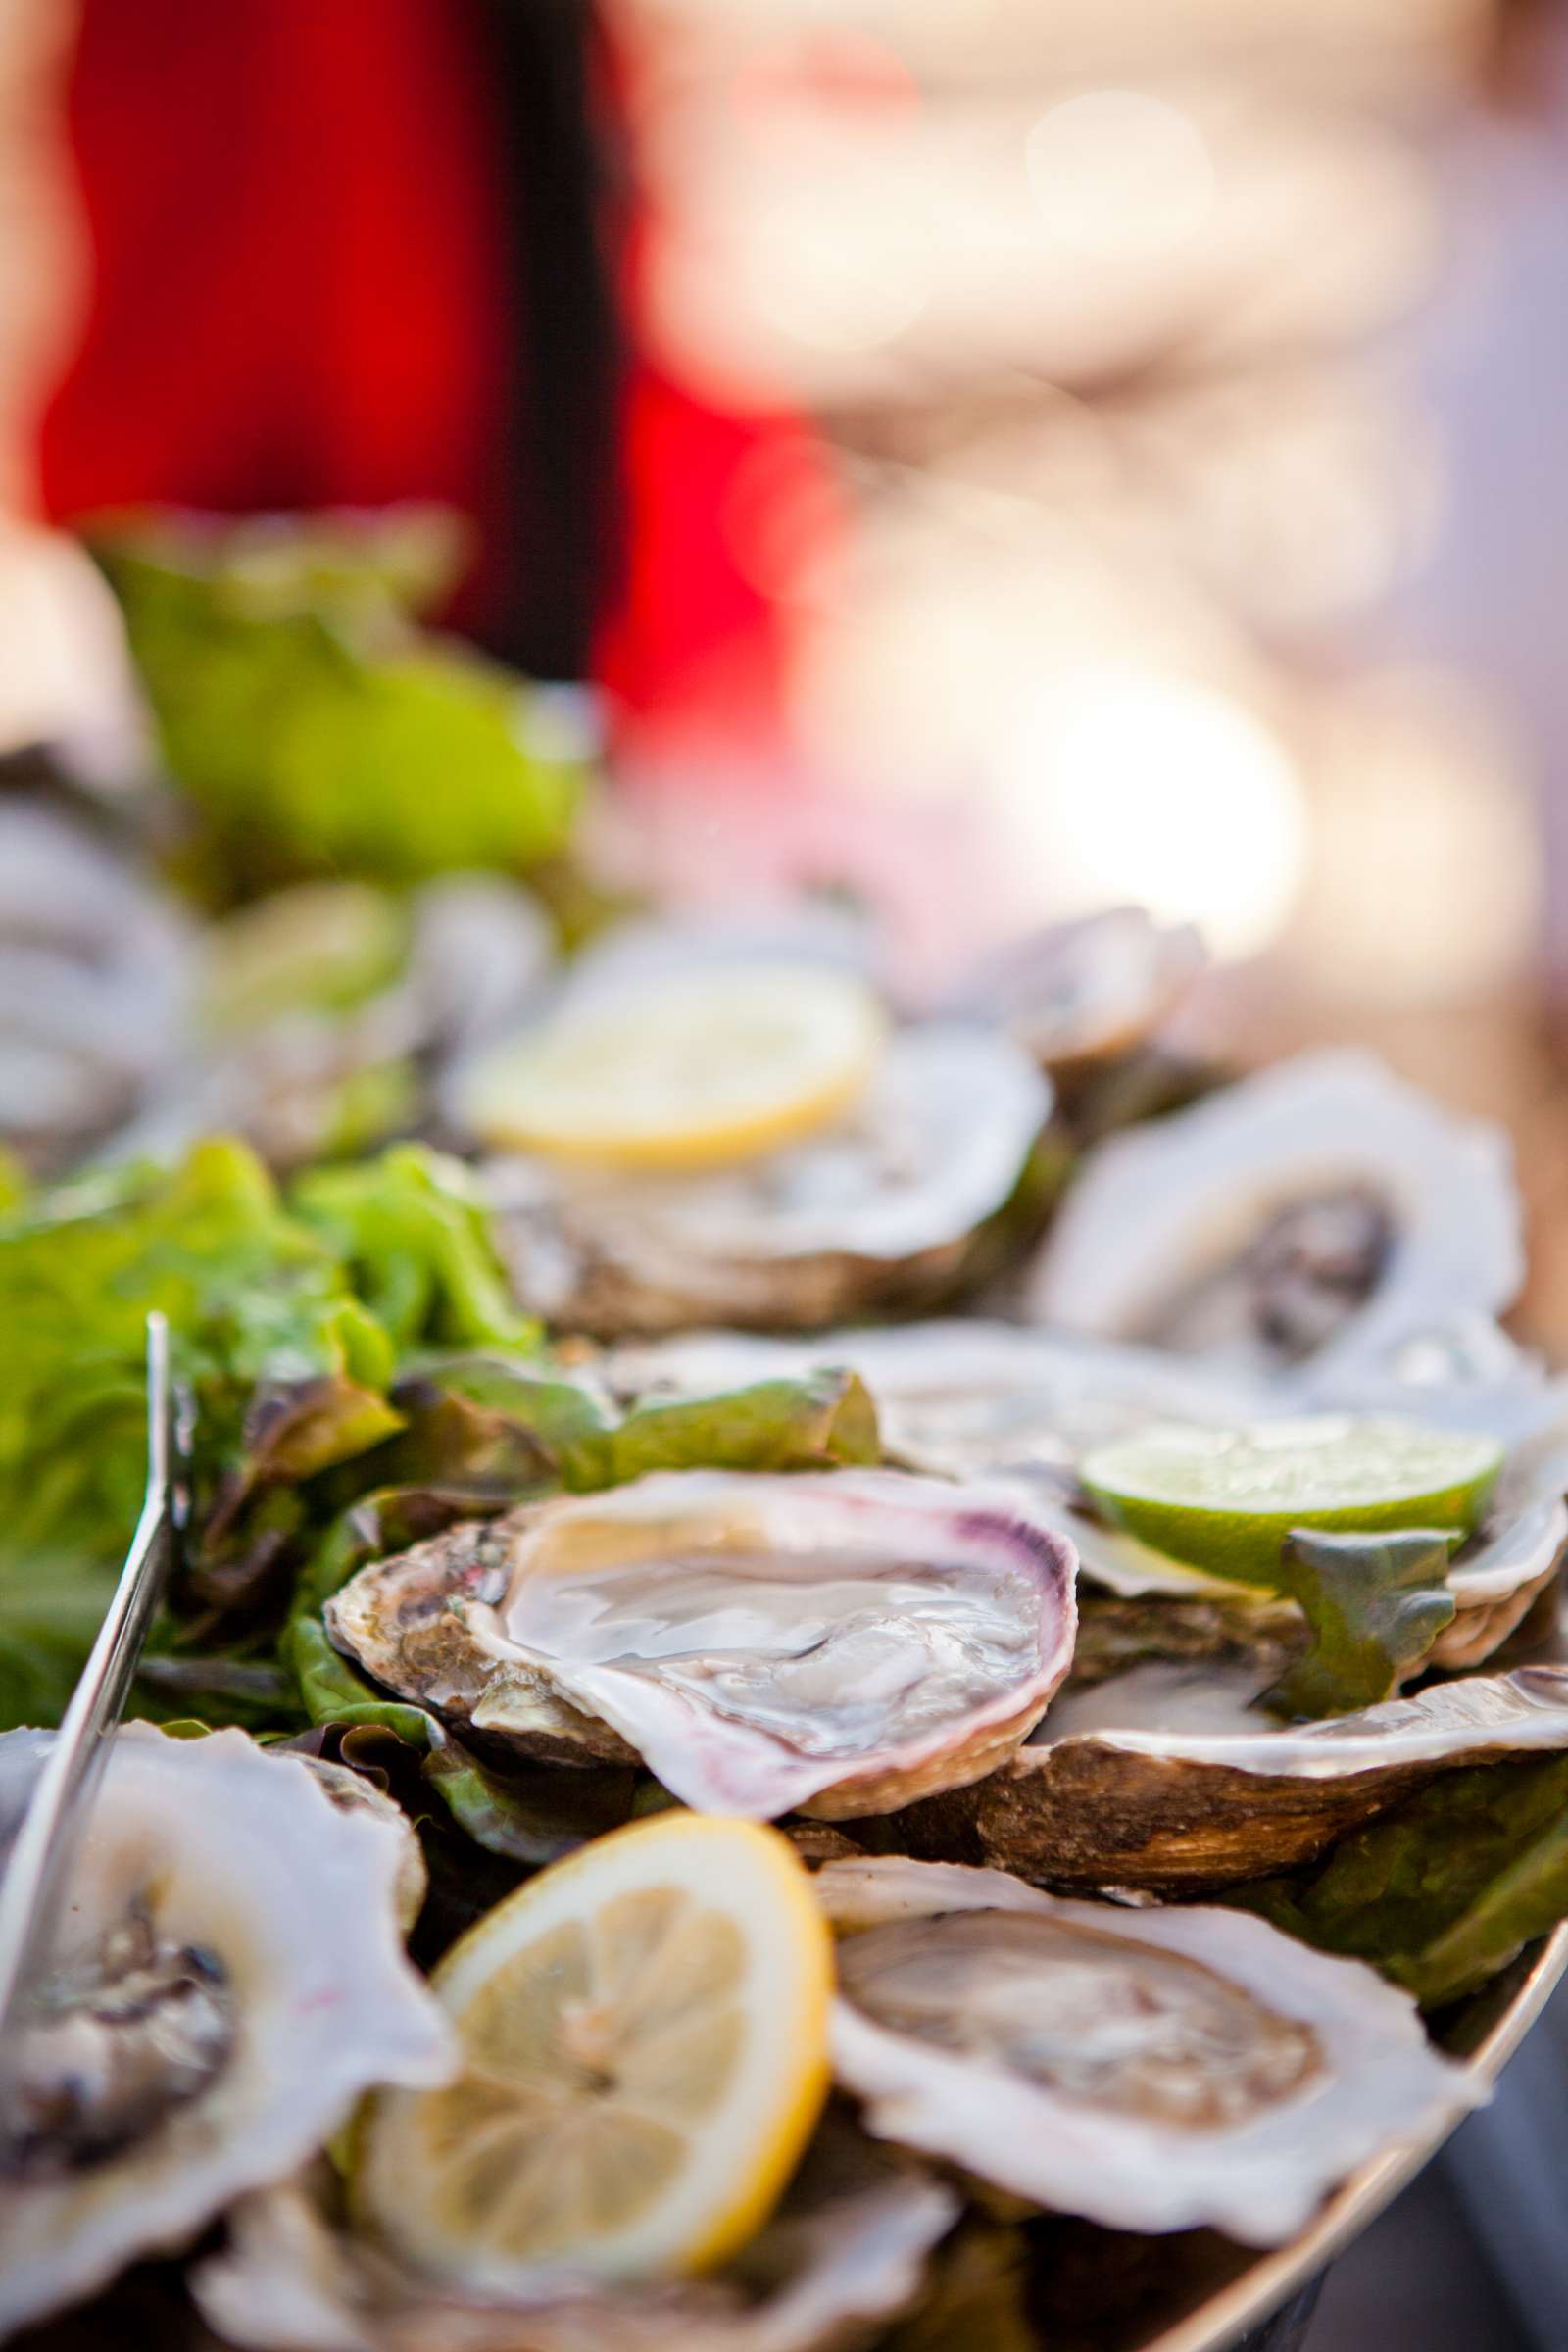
{"points": [[489, 1424], [528, 1815], [506, 1431], [1374, 1604], [334, 1693], [1442, 1891]]}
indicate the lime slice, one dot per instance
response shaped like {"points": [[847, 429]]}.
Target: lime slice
{"points": [[687, 1072], [644, 2037], [1225, 1499]]}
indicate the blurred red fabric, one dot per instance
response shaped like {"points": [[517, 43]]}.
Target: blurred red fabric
{"points": [[302, 295]]}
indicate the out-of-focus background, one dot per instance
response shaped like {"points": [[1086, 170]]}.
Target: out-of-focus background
{"points": [[1055, 454], [990, 457]]}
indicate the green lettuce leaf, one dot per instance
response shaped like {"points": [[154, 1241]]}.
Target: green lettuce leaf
{"points": [[416, 1241], [823, 1420], [1374, 1604], [316, 728], [500, 1428], [287, 1368], [1442, 1891], [286, 1321], [334, 1693], [530, 1815]]}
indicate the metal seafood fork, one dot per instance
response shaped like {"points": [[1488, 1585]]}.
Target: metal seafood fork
{"points": [[37, 1875]]}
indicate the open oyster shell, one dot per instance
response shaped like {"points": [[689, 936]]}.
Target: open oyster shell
{"points": [[892, 1206], [97, 986], [969, 1399], [838, 1642], [1153, 2070], [1319, 1213], [844, 2255], [1161, 1780], [1079, 992], [266, 1989]]}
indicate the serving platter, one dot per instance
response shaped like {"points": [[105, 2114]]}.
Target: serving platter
{"points": [[1484, 2031]]}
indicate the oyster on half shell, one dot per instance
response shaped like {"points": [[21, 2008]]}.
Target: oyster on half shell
{"points": [[892, 1206], [844, 2255], [834, 1642], [1164, 1779], [231, 1978], [1319, 1215], [1153, 2070]]}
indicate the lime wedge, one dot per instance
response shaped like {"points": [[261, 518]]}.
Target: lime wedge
{"points": [[1225, 1499]]}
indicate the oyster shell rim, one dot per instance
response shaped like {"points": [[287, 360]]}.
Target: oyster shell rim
{"points": [[873, 2061], [893, 1775], [1471, 1260]]}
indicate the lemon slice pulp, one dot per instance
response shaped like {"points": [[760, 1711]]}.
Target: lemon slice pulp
{"points": [[1225, 1499], [691, 1070], [644, 2035]]}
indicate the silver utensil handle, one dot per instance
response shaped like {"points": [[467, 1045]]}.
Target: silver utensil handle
{"points": [[37, 1874]]}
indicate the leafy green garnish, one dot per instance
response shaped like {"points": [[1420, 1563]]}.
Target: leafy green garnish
{"points": [[499, 1428], [1374, 1604], [412, 1235], [288, 1368], [334, 1693], [820, 1421], [316, 728], [287, 1319], [1442, 1891]]}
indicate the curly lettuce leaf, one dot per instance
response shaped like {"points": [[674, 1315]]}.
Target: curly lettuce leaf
{"points": [[286, 1320], [1374, 1605], [1442, 1891], [316, 728], [416, 1241], [287, 1367]]}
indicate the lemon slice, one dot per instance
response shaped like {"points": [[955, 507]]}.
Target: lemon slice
{"points": [[691, 1070], [644, 2035], [1225, 1499]]}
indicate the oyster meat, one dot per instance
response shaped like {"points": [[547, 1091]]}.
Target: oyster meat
{"points": [[1153, 2070], [1164, 1780], [892, 1206], [837, 1642], [1319, 1215], [230, 1979]]}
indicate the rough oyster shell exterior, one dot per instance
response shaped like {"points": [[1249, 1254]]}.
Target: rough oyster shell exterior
{"points": [[1181, 1811]]}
